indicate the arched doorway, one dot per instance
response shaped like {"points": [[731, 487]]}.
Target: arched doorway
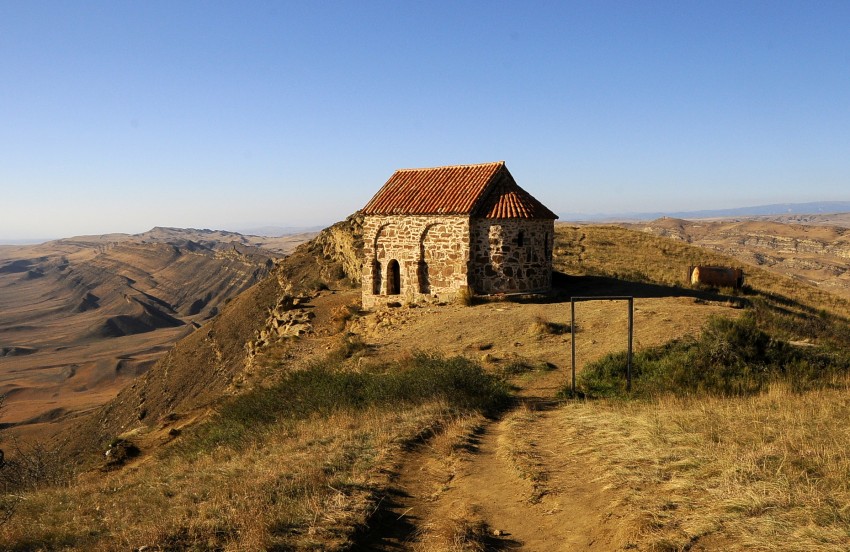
{"points": [[393, 278]]}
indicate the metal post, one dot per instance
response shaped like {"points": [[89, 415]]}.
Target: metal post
{"points": [[631, 331], [630, 300], [573, 334]]}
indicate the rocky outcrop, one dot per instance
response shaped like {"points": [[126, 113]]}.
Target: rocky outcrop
{"points": [[342, 243], [288, 318]]}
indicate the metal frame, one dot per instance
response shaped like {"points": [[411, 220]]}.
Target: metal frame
{"points": [[631, 301]]}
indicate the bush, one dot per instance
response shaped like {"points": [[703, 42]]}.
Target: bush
{"points": [[731, 358], [32, 466], [541, 326]]}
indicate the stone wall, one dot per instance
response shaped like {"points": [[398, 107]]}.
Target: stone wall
{"points": [[431, 253], [511, 255]]}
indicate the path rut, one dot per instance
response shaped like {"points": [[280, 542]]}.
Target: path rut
{"points": [[510, 475]]}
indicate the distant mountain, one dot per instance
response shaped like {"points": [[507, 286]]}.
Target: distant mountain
{"points": [[279, 231], [818, 207], [23, 241], [81, 316]]}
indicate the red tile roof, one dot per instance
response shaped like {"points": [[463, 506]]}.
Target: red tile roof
{"points": [[487, 190]]}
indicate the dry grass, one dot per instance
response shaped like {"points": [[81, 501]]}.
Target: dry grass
{"points": [[542, 326], [630, 255], [465, 297], [523, 453], [304, 487], [462, 530], [342, 314], [296, 465], [770, 472]]}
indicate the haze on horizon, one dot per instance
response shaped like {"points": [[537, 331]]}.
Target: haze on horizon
{"points": [[121, 117]]}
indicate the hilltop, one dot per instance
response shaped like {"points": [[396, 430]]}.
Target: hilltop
{"points": [[816, 211], [295, 420]]}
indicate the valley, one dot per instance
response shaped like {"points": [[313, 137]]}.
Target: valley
{"points": [[81, 317]]}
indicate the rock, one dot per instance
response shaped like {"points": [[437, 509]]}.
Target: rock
{"points": [[120, 450]]}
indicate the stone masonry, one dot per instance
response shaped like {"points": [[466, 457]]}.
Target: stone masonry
{"points": [[430, 234], [439, 256], [511, 255], [432, 253]]}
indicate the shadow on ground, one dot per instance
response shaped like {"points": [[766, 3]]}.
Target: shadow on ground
{"points": [[388, 531], [565, 286]]}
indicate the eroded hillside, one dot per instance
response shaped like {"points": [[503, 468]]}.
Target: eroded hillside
{"points": [[204, 365], [80, 317], [817, 254]]}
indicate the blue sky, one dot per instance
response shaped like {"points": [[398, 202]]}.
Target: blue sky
{"points": [[119, 116]]}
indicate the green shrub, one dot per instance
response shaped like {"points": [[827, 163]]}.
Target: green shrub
{"points": [[730, 358], [792, 321], [323, 389]]}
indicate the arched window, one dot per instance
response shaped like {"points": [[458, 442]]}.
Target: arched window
{"points": [[376, 277], [520, 238], [393, 278], [424, 284]]}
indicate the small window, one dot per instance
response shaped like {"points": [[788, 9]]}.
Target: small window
{"points": [[424, 284], [393, 278], [520, 238], [376, 277]]}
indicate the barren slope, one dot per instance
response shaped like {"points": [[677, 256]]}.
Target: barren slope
{"points": [[815, 254], [212, 361], [82, 316]]}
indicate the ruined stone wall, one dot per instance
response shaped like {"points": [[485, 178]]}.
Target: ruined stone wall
{"points": [[432, 253], [511, 255]]}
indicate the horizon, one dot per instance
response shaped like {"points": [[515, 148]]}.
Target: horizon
{"points": [[279, 231], [120, 118]]}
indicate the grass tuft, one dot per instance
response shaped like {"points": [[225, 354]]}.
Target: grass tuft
{"points": [[466, 297], [323, 389], [541, 326]]}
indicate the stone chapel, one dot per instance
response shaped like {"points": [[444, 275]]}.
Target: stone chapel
{"points": [[430, 233]]}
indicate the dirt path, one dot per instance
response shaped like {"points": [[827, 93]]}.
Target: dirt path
{"points": [[527, 491], [483, 483]]}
